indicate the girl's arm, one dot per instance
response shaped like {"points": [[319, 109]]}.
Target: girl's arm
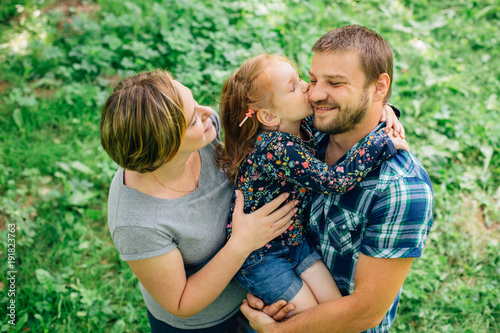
{"points": [[390, 114], [293, 162], [164, 276]]}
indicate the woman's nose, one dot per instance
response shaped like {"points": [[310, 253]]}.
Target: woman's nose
{"points": [[205, 112]]}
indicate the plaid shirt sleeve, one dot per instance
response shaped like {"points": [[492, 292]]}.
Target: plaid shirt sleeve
{"points": [[400, 220]]}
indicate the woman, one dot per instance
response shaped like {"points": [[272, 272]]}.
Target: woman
{"points": [[168, 206]]}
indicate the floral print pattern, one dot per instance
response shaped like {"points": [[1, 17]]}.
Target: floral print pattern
{"points": [[282, 162]]}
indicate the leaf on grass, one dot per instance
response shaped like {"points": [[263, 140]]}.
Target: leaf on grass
{"points": [[118, 327], [79, 198], [18, 119], [43, 276], [487, 151], [77, 165]]}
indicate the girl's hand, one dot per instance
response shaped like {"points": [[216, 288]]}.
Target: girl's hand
{"points": [[253, 231], [398, 141], [392, 122]]}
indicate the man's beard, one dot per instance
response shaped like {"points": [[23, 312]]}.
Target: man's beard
{"points": [[347, 118]]}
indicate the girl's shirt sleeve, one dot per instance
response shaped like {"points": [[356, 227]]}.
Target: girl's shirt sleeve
{"points": [[288, 159]]}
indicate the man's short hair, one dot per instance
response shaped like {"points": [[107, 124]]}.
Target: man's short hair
{"points": [[375, 53]]}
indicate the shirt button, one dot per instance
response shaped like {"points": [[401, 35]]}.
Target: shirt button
{"points": [[344, 226]]}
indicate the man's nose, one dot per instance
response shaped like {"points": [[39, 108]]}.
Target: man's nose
{"points": [[316, 93]]}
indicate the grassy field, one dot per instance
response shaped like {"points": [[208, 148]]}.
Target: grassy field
{"points": [[58, 60]]}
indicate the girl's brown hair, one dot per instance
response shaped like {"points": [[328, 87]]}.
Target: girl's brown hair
{"points": [[142, 122], [247, 88]]}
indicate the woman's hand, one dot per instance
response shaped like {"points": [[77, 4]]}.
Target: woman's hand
{"points": [[253, 231], [392, 122]]}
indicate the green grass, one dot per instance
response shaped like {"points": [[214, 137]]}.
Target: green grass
{"points": [[57, 66]]}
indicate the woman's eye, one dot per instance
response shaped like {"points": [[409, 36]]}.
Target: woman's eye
{"points": [[194, 120]]}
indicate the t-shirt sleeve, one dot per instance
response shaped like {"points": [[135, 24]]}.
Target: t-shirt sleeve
{"points": [[136, 243], [400, 220], [216, 122]]}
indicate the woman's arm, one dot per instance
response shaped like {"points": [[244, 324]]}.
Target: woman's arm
{"points": [[164, 276]]}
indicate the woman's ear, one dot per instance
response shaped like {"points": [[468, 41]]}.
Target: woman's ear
{"points": [[267, 119], [382, 87]]}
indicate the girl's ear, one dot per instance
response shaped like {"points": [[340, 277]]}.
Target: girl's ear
{"points": [[267, 119]]}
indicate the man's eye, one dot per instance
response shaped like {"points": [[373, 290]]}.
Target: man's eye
{"points": [[312, 82], [334, 83]]}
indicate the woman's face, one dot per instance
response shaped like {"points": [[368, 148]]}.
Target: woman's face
{"points": [[199, 131]]}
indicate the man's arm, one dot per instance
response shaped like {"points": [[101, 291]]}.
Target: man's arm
{"points": [[377, 283]]}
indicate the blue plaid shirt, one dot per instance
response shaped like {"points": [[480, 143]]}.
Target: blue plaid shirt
{"points": [[387, 215]]}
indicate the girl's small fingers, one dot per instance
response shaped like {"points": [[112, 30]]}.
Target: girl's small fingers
{"points": [[388, 124]]}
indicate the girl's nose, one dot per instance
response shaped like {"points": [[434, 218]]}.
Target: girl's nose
{"points": [[305, 87]]}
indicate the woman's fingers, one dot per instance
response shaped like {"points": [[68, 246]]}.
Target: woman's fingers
{"points": [[239, 202], [284, 211], [271, 206], [282, 224]]}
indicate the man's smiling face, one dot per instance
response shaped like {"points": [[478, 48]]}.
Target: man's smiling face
{"points": [[338, 91]]}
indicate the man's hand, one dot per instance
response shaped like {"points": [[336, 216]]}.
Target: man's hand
{"points": [[259, 321], [277, 310]]}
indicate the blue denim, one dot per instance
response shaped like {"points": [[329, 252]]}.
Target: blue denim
{"points": [[274, 274]]}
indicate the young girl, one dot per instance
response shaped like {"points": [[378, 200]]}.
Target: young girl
{"points": [[269, 149]]}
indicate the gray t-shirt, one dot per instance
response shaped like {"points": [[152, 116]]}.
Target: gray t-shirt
{"points": [[143, 227]]}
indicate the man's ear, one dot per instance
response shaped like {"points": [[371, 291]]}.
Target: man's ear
{"points": [[381, 87], [267, 119]]}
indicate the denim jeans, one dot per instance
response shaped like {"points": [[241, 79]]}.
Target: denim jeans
{"points": [[273, 274]]}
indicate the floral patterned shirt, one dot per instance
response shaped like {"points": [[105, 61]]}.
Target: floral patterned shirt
{"points": [[282, 162]]}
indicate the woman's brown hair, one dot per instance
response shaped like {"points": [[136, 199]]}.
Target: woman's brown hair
{"points": [[142, 122], [247, 88]]}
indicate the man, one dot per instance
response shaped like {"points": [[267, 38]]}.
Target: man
{"points": [[370, 235]]}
